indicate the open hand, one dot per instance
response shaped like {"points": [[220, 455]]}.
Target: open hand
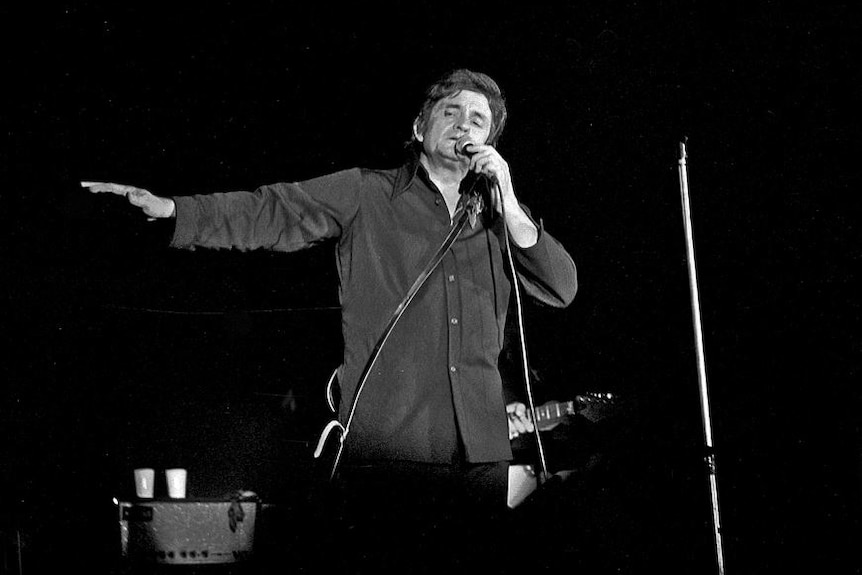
{"points": [[152, 205]]}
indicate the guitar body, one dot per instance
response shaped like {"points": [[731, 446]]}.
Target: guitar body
{"points": [[522, 483]]}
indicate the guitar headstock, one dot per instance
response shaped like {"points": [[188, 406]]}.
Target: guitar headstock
{"points": [[596, 406]]}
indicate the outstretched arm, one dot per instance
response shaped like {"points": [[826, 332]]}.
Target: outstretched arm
{"points": [[152, 205], [280, 217]]}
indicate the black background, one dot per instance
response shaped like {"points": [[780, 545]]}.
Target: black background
{"points": [[122, 353]]}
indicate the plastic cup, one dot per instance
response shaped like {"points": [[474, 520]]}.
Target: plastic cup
{"points": [[144, 480], [176, 480]]}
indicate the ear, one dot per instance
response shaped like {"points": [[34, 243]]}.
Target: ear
{"points": [[417, 129]]}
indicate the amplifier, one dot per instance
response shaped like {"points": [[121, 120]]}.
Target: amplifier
{"points": [[187, 531]]}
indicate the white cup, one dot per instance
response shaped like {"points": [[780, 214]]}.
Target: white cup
{"points": [[176, 480], [144, 480]]}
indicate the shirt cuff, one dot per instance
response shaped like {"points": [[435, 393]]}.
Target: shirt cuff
{"points": [[183, 217]]}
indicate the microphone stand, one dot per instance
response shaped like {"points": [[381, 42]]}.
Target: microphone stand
{"points": [[701, 362]]}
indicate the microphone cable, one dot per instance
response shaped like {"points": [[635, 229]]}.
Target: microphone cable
{"points": [[461, 148], [522, 341]]}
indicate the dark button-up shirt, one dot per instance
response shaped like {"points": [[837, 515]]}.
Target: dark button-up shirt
{"points": [[435, 393]]}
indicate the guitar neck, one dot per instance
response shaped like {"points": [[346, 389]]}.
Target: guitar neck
{"points": [[593, 407], [554, 411]]}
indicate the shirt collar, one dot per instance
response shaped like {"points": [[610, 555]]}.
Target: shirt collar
{"points": [[407, 173]]}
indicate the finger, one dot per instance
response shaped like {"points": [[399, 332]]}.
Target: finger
{"points": [[489, 169], [119, 189], [139, 198]]}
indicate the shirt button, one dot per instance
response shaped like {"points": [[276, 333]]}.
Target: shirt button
{"points": [[437, 201], [453, 369], [452, 278], [454, 321]]}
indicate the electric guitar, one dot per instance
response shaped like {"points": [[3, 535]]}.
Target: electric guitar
{"points": [[593, 406]]}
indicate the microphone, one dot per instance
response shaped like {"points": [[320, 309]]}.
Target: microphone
{"points": [[462, 148]]}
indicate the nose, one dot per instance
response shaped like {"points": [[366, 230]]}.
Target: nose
{"points": [[461, 122]]}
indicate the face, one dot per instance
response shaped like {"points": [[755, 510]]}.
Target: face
{"points": [[465, 114]]}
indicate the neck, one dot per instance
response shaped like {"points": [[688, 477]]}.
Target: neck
{"points": [[445, 174], [447, 177]]}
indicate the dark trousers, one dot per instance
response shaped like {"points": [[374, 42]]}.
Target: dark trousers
{"points": [[405, 517]]}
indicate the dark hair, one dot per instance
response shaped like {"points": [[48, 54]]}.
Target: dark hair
{"points": [[462, 79]]}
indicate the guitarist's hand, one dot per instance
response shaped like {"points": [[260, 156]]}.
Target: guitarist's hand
{"points": [[519, 422]]}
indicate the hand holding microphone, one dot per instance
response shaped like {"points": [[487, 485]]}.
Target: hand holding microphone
{"points": [[484, 159]]}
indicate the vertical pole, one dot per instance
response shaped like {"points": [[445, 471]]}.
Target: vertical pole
{"points": [[701, 362]]}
